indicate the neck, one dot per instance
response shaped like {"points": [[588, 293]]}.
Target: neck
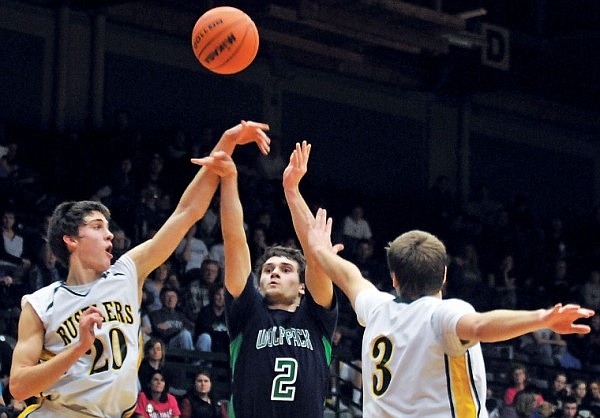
{"points": [[154, 363], [218, 309]]}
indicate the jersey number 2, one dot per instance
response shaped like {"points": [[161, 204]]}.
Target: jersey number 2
{"points": [[381, 353], [283, 388]]}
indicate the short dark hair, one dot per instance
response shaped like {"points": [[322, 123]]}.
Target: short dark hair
{"points": [[66, 220], [418, 259], [286, 252]]}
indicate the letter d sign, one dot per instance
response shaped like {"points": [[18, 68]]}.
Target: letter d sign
{"points": [[496, 51]]}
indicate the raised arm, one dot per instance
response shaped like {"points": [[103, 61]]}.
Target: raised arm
{"points": [[195, 200], [502, 324], [237, 253], [318, 284], [342, 272]]}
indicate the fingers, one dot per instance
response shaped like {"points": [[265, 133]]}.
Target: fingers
{"points": [[580, 329], [337, 248], [259, 125]]}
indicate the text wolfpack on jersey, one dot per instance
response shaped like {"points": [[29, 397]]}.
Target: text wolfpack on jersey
{"points": [[275, 336]]}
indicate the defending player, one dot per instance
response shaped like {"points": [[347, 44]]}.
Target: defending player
{"points": [[281, 331], [421, 355], [78, 342]]}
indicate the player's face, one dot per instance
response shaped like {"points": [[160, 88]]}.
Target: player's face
{"points": [[280, 282], [94, 242], [203, 384]]}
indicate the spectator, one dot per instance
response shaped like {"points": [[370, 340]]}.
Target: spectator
{"points": [[170, 324], [12, 245], [354, 228], [45, 271], [11, 292], [568, 408], [155, 401], [192, 251], [590, 291], [196, 292], [520, 383], [369, 265], [155, 360], [579, 391], [211, 326], [523, 405], [558, 390], [155, 283], [199, 401]]}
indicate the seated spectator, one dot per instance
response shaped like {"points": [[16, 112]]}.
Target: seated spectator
{"points": [[155, 360], [579, 391], [199, 401], [155, 283], [568, 408], [11, 292], [211, 327], [191, 251], [520, 383], [549, 348], [354, 228], [523, 405], [12, 246], [170, 324], [155, 401], [594, 397], [197, 286], [43, 272], [558, 389]]}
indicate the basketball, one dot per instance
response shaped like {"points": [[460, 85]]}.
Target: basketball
{"points": [[225, 40]]}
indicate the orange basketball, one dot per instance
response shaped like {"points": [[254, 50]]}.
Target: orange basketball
{"points": [[225, 40]]}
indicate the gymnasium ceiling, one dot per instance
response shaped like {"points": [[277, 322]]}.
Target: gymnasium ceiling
{"points": [[552, 48]]}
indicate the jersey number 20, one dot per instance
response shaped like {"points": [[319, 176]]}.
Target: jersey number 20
{"points": [[283, 388]]}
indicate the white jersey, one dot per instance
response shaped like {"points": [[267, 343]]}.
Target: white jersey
{"points": [[414, 364], [103, 382]]}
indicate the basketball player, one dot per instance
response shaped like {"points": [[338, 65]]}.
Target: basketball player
{"points": [[78, 341], [281, 331], [421, 355]]}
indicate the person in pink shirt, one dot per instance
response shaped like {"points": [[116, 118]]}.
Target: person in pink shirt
{"points": [[155, 401]]}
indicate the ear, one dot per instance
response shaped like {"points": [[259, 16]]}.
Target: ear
{"points": [[445, 275], [70, 241], [394, 280], [302, 289]]}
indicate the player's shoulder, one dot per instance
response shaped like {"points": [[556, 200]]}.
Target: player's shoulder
{"points": [[124, 266]]}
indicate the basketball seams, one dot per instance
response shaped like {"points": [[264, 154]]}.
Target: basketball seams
{"points": [[249, 30], [216, 36]]}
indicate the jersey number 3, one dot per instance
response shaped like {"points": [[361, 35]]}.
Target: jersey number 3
{"points": [[381, 354], [283, 388]]}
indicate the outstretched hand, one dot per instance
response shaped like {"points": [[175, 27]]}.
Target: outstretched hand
{"points": [[298, 165], [246, 132], [219, 162], [560, 319], [319, 233]]}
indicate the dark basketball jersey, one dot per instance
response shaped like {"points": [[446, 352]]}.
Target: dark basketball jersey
{"points": [[279, 359]]}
